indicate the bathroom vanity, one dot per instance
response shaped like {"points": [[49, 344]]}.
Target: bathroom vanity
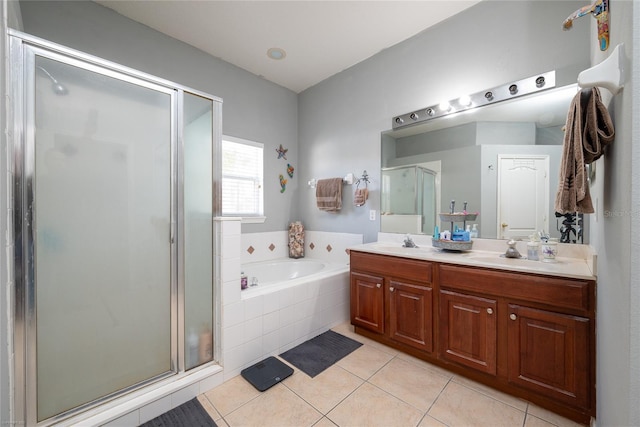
{"points": [[524, 327]]}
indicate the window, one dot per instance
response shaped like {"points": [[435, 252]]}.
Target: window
{"points": [[242, 193]]}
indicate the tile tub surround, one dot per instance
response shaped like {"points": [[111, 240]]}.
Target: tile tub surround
{"points": [[266, 325], [326, 246]]}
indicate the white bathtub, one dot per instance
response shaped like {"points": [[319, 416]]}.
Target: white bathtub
{"points": [[282, 273]]}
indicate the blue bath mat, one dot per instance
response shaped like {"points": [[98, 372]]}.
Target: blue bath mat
{"points": [[190, 414], [317, 354]]}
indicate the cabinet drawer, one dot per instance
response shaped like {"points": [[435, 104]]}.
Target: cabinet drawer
{"points": [[411, 269], [562, 293]]}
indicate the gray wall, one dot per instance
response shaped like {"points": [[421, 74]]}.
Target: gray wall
{"points": [[492, 43], [253, 108], [614, 230], [438, 140]]}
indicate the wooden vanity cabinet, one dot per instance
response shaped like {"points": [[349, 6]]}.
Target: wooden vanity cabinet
{"points": [[468, 330], [367, 302], [393, 297], [549, 353], [539, 330], [411, 314], [529, 335]]}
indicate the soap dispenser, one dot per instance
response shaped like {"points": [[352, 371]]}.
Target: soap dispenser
{"points": [[474, 231]]}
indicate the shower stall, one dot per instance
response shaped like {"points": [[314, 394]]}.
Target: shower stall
{"points": [[113, 194], [408, 199]]}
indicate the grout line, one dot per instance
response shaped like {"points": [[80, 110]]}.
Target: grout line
{"points": [[470, 387], [438, 397]]}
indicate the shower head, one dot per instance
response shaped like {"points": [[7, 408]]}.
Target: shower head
{"points": [[57, 87]]}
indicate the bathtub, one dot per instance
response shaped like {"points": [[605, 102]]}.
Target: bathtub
{"points": [[283, 273]]}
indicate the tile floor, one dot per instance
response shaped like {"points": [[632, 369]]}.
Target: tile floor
{"points": [[373, 386]]}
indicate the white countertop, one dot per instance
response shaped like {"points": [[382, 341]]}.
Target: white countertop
{"points": [[578, 262]]}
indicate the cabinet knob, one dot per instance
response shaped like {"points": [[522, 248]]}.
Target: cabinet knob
{"points": [[391, 289], [513, 316], [378, 285], [489, 310]]}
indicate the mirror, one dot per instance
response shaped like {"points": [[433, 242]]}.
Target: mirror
{"points": [[501, 159]]}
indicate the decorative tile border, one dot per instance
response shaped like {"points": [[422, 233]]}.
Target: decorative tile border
{"points": [[328, 246]]}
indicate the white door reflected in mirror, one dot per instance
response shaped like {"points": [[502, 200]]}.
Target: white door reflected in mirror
{"points": [[523, 195]]}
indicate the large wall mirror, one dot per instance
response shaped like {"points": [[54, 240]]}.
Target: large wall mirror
{"points": [[501, 159]]}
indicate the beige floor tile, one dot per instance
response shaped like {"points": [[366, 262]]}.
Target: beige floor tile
{"points": [[416, 385], [213, 413], [277, 407], [365, 361], [551, 417], [532, 421], [427, 421], [498, 395], [325, 390], [324, 422], [461, 406], [347, 330], [420, 362], [231, 395], [370, 406]]}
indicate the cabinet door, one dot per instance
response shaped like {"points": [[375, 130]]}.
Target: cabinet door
{"points": [[549, 353], [367, 302], [411, 314], [468, 330]]}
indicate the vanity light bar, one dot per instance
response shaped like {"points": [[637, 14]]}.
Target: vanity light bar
{"points": [[533, 84]]}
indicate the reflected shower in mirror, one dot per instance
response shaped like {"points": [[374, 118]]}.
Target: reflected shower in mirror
{"points": [[410, 194], [502, 159]]}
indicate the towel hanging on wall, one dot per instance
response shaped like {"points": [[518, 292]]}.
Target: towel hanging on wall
{"points": [[329, 194], [588, 130], [361, 195]]}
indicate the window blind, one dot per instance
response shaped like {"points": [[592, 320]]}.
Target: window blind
{"points": [[242, 172]]}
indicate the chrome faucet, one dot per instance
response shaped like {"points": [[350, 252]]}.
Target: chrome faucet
{"points": [[408, 243]]}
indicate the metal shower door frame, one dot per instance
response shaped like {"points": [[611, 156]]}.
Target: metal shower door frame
{"points": [[23, 51]]}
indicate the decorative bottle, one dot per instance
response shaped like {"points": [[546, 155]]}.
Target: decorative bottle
{"points": [[296, 240]]}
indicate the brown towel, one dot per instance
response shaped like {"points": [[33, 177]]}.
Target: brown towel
{"points": [[598, 128], [360, 196], [329, 194], [588, 127]]}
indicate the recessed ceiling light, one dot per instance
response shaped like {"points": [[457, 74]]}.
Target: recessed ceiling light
{"points": [[276, 53]]}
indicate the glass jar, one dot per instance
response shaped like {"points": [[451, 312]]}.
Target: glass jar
{"points": [[533, 251]]}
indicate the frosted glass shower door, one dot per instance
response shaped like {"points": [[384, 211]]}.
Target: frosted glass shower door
{"points": [[198, 229], [102, 151]]}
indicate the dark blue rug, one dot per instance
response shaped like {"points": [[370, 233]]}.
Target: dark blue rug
{"points": [[190, 414], [314, 356]]}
